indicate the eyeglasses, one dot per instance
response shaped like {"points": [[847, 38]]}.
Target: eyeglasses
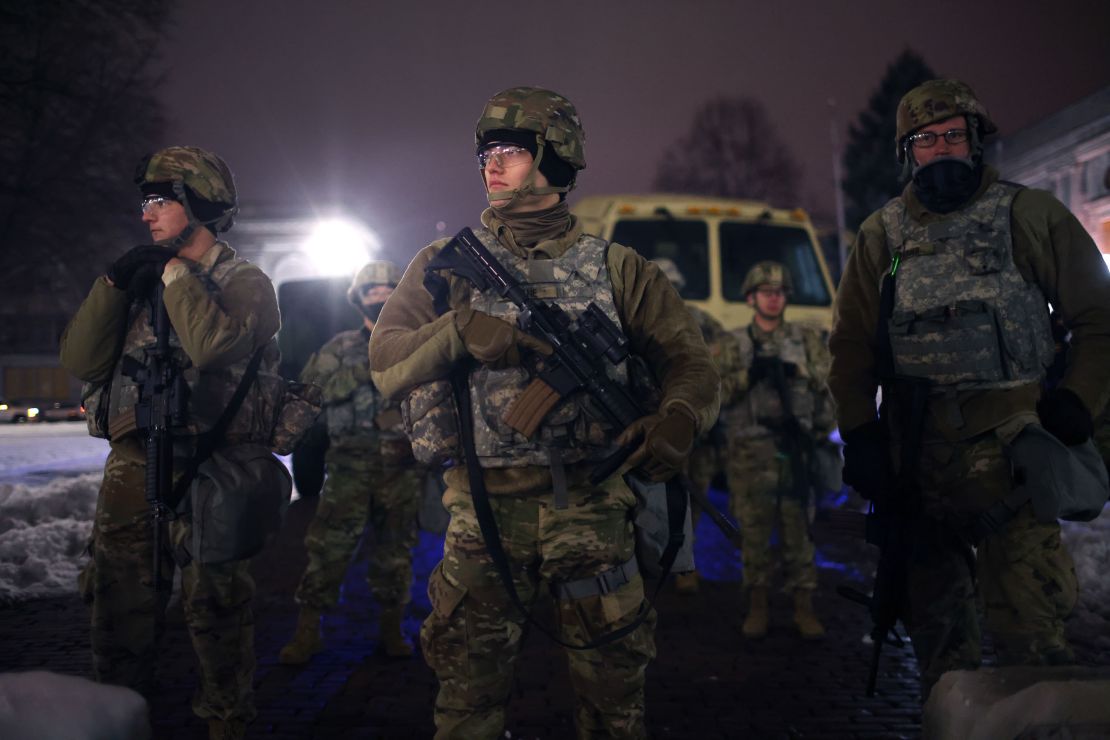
{"points": [[771, 292], [504, 155], [926, 139], [155, 204]]}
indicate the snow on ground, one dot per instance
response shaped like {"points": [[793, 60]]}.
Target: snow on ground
{"points": [[1089, 544]]}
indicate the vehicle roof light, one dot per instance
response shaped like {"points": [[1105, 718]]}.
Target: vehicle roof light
{"points": [[626, 209], [798, 214], [693, 210]]}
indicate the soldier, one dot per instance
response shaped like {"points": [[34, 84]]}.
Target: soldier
{"points": [[370, 473], [559, 531], [223, 311], [973, 261], [777, 410], [708, 455]]}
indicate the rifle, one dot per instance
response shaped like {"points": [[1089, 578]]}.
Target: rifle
{"points": [[581, 347], [796, 443], [162, 395]]}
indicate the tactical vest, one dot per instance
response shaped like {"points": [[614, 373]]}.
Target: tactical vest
{"points": [[209, 391], [357, 415], [760, 412], [572, 281], [963, 314]]}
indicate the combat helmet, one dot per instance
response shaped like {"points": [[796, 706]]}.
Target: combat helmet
{"points": [[937, 100], [373, 273], [542, 120], [197, 179], [770, 273]]}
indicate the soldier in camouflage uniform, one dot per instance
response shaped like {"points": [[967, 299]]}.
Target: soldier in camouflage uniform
{"points": [[222, 310], [770, 446], [974, 260], [561, 533], [371, 474], [708, 456]]}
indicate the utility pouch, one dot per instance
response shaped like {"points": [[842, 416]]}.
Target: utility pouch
{"points": [[430, 418], [237, 502], [95, 399], [1062, 482], [948, 344], [653, 531]]}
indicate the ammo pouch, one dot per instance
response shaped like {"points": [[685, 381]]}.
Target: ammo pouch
{"points": [[297, 408], [945, 344], [653, 529], [95, 399], [237, 501], [430, 417], [1063, 482]]}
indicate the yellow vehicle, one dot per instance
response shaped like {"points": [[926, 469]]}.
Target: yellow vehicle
{"points": [[713, 242]]}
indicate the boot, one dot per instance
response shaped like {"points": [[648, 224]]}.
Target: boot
{"points": [[809, 627], [755, 626], [686, 583], [389, 630], [226, 729], [306, 640]]}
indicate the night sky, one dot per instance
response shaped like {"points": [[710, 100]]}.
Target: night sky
{"points": [[370, 106]]}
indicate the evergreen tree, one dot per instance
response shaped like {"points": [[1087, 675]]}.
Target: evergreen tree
{"points": [[78, 109], [731, 151], [872, 175]]}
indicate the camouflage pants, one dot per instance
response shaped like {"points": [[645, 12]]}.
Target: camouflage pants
{"points": [[472, 637], [128, 617], [1024, 574], [358, 489], [760, 479]]}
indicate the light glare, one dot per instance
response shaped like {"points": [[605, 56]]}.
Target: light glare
{"points": [[339, 247]]}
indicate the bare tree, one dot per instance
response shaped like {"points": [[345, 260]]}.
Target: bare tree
{"points": [[731, 151], [77, 111]]}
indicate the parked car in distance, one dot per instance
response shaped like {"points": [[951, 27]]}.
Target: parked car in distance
{"points": [[17, 412], [61, 411]]}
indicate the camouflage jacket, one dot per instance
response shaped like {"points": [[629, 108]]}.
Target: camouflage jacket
{"points": [[222, 310], [357, 416], [1051, 250], [412, 345], [757, 410]]}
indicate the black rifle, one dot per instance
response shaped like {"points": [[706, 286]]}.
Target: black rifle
{"points": [[581, 349], [161, 405], [890, 523], [797, 445]]}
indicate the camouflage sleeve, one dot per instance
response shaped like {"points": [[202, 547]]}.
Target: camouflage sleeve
{"points": [[217, 333], [852, 379], [1053, 249], [93, 340], [663, 332], [410, 343], [734, 373]]}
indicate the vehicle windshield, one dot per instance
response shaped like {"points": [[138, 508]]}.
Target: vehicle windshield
{"points": [[744, 244], [684, 242]]}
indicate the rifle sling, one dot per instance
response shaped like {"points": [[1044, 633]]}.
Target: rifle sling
{"points": [[207, 442], [487, 523]]}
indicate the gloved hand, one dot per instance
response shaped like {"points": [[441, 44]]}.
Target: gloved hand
{"points": [[866, 459], [122, 271], [1065, 417], [667, 441], [493, 341]]}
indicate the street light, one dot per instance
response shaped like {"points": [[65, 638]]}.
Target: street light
{"points": [[339, 247]]}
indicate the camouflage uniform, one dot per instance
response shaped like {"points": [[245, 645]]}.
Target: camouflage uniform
{"points": [[1012, 250], [760, 473], [220, 302], [370, 475], [581, 535]]}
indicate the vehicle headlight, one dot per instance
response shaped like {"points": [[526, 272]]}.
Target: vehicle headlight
{"points": [[32, 412]]}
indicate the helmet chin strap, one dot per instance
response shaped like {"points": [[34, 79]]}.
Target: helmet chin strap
{"points": [[528, 187], [179, 241]]}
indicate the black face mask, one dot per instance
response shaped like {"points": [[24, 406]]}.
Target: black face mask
{"points": [[373, 311], [946, 183]]}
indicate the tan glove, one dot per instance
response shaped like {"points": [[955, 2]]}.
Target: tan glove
{"points": [[667, 440], [493, 341]]}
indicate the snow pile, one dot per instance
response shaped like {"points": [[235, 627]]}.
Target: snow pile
{"points": [[39, 705], [43, 533], [1089, 545]]}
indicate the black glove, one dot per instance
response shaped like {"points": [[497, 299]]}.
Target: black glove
{"points": [[866, 459], [122, 271], [1065, 417]]}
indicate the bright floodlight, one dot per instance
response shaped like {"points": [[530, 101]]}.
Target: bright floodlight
{"points": [[338, 247]]}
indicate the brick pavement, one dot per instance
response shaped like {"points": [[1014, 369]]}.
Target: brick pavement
{"points": [[707, 682]]}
